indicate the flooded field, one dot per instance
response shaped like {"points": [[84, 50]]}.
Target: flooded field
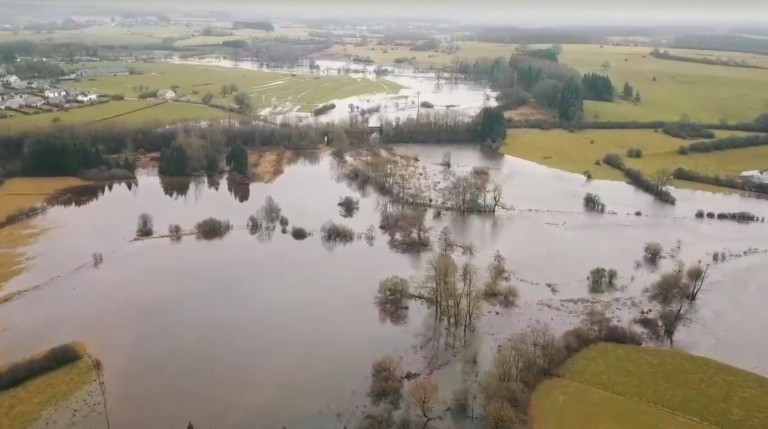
{"points": [[274, 332], [443, 93]]}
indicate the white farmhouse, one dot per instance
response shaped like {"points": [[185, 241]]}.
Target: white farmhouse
{"points": [[166, 94], [10, 79]]}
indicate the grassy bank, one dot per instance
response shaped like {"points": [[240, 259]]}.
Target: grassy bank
{"points": [[278, 91], [23, 404], [386, 55], [577, 152], [684, 385], [705, 92]]}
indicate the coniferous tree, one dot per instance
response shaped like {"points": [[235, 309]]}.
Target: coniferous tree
{"points": [[237, 159], [571, 103], [174, 161], [628, 92]]}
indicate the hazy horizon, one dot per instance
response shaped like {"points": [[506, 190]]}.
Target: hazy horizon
{"points": [[511, 12]]}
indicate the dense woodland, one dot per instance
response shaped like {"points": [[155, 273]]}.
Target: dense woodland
{"points": [[722, 42]]}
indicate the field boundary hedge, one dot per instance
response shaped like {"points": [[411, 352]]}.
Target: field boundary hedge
{"points": [[637, 179], [127, 113], [17, 373], [550, 124], [681, 173], [643, 401]]}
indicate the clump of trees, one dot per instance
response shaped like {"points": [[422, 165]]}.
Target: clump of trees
{"points": [[687, 130], [174, 232], [349, 206], [386, 381], [593, 203], [491, 127], [603, 280], [335, 233], [144, 227], [264, 222], [597, 87], [407, 229], [211, 228], [17, 373], [745, 185], [50, 156], [322, 110], [237, 160]]}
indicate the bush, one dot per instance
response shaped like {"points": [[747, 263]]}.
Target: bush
{"points": [[427, 105], [17, 373], [299, 233], [394, 292], [147, 95], [710, 215], [144, 227], [615, 161], [174, 231], [683, 150], [284, 222], [337, 233], [602, 280], [117, 97], [349, 206], [699, 214], [211, 228], [55, 119], [634, 153]]}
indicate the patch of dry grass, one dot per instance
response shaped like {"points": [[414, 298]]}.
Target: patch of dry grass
{"points": [[23, 192], [22, 406]]}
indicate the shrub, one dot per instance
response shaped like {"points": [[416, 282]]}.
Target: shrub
{"points": [[299, 233], [683, 150], [337, 233], [634, 153], [17, 373], [614, 160], [710, 215], [55, 119], [283, 222], [117, 97], [394, 292], [144, 227], [254, 224], [652, 251], [499, 415], [699, 214], [427, 105], [602, 280], [211, 228]]}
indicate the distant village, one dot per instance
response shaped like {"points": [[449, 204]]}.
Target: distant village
{"points": [[47, 95]]}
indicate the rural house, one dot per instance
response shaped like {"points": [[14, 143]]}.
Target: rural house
{"points": [[33, 101], [57, 101], [15, 103], [10, 79], [166, 94], [88, 98]]}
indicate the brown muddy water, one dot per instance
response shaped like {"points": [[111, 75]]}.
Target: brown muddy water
{"points": [[241, 332]]}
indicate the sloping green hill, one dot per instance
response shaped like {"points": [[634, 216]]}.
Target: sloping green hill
{"points": [[698, 388]]}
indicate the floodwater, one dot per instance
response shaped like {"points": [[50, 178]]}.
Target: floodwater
{"points": [[241, 332], [461, 97]]}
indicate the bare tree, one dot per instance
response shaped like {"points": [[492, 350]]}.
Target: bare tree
{"points": [[696, 276], [673, 294], [662, 178], [445, 240], [496, 197], [500, 415], [423, 395], [472, 300]]}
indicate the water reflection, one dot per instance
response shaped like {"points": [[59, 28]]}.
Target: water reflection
{"points": [[79, 196], [239, 189], [175, 187]]}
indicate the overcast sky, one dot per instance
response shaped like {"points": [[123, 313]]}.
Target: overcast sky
{"points": [[514, 12]]}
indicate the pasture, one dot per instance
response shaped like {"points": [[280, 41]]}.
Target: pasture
{"points": [[280, 92], [578, 152], [695, 387], [560, 403], [670, 89]]}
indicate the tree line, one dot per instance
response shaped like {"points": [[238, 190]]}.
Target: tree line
{"points": [[656, 187], [729, 62]]}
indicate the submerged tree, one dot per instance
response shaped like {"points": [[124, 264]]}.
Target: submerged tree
{"points": [[237, 160], [144, 227]]}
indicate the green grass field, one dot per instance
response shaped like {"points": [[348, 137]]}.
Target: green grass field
{"points": [[160, 113], [560, 403], [577, 152], [277, 91], [706, 93], [693, 386]]}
